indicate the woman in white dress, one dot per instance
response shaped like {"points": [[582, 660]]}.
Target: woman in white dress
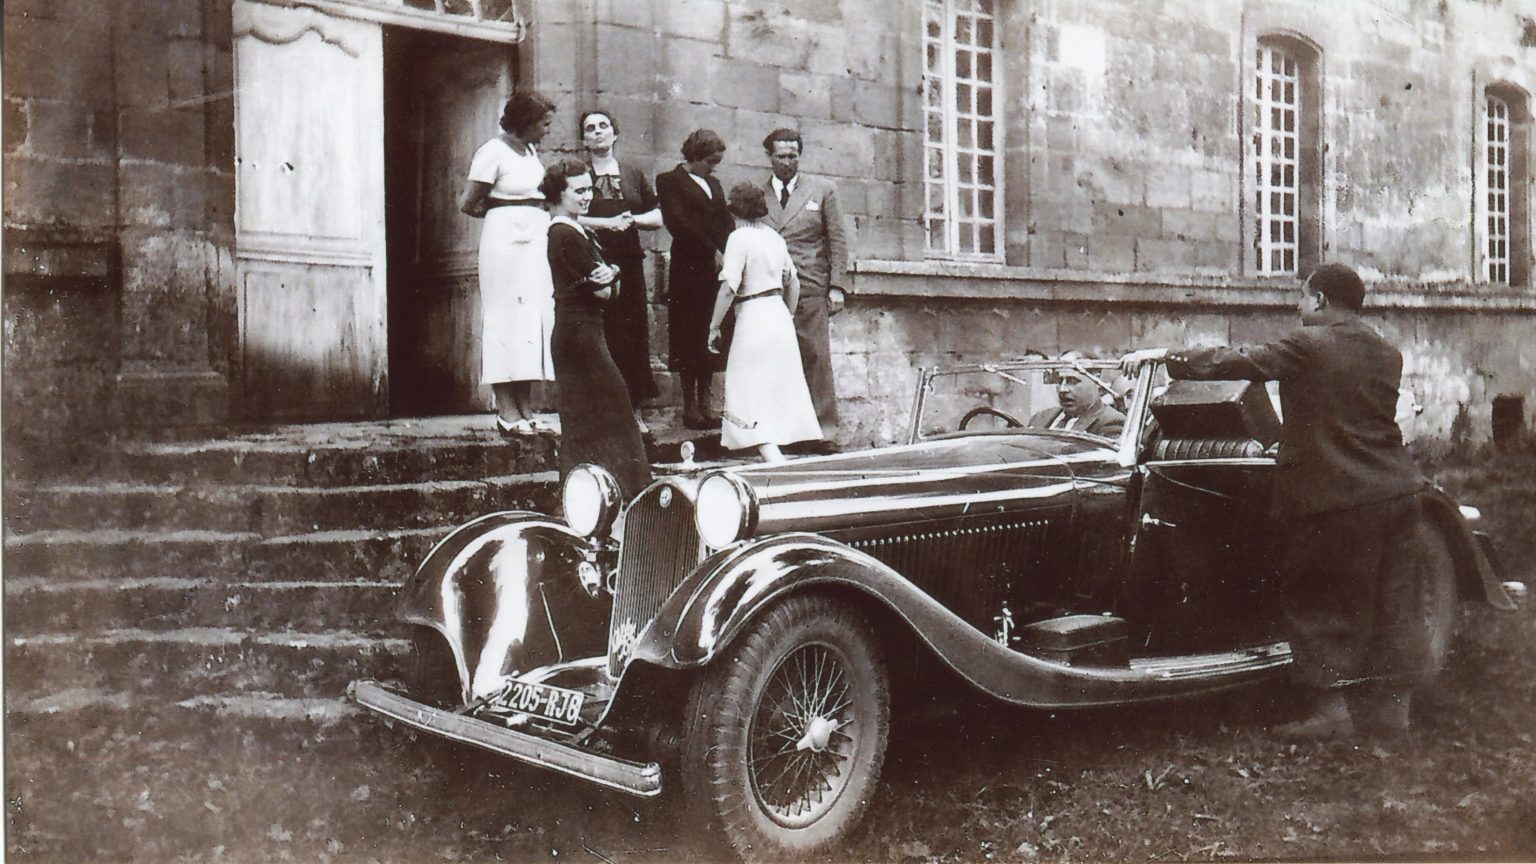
{"points": [[517, 305], [767, 402]]}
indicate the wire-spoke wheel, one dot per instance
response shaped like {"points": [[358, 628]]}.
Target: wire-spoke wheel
{"points": [[787, 730]]}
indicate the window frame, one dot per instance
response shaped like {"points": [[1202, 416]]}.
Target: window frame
{"points": [[945, 176], [1516, 214], [1305, 162]]}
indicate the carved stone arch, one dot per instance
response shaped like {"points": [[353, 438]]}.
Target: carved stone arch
{"points": [[284, 26]]}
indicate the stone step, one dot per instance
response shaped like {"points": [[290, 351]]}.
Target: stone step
{"points": [[270, 510], [340, 455], [380, 555], [39, 605], [301, 462], [256, 706], [177, 665]]}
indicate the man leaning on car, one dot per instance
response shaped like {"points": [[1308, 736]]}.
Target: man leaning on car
{"points": [[1346, 496]]}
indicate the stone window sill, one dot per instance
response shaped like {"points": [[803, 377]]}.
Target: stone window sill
{"points": [[977, 281]]}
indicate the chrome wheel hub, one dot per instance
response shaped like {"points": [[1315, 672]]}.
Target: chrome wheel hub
{"points": [[802, 736]]}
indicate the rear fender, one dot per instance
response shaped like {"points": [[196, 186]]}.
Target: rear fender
{"points": [[1477, 574], [506, 594]]}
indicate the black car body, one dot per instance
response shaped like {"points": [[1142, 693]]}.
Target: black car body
{"points": [[742, 624]]}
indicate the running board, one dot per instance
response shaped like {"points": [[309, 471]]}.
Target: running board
{"points": [[1254, 659]]}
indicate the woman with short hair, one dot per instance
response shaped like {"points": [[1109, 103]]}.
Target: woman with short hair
{"points": [[767, 402], [623, 204], [517, 310], [693, 208]]}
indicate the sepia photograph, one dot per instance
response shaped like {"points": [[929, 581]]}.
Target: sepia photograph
{"points": [[643, 431]]}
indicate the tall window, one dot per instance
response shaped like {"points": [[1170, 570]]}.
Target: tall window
{"points": [[1504, 206], [1496, 261], [1275, 128], [1283, 189], [962, 218]]}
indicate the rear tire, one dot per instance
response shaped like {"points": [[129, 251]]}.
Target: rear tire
{"points": [[787, 730], [1436, 603]]}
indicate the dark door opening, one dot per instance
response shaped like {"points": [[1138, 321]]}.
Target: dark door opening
{"points": [[442, 97]]}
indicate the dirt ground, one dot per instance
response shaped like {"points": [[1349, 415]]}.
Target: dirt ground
{"points": [[1194, 781]]}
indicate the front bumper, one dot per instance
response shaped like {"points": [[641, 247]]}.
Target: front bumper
{"points": [[636, 778]]}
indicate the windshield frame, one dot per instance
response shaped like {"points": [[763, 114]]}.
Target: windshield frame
{"points": [[1100, 372]]}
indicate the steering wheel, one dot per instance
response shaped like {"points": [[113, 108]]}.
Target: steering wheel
{"points": [[988, 410]]}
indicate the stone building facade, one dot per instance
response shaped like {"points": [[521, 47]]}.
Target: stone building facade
{"points": [[229, 211]]}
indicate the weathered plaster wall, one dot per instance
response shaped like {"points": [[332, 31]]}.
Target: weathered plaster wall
{"points": [[1454, 362]]}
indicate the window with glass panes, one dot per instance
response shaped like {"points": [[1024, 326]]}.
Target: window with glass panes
{"points": [[962, 218], [1496, 261], [1276, 146]]}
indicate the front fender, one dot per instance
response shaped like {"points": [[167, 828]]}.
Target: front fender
{"points": [[505, 593], [733, 587]]}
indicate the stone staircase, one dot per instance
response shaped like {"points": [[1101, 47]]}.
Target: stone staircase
{"points": [[252, 576]]}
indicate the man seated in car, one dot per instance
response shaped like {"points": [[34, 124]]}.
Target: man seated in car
{"points": [[1082, 407]]}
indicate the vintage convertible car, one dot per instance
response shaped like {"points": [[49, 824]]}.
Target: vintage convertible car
{"points": [[743, 631]]}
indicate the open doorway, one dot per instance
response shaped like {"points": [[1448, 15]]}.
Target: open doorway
{"points": [[442, 97]]}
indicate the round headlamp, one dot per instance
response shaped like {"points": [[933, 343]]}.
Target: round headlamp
{"points": [[725, 510], [590, 500]]}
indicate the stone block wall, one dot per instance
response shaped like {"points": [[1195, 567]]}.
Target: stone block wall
{"points": [[118, 217], [833, 70], [60, 208], [1124, 134], [1135, 131], [1124, 139]]}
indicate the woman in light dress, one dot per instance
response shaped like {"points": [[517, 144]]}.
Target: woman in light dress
{"points": [[517, 306], [767, 402]]}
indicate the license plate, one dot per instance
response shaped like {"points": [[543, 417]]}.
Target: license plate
{"points": [[545, 702]]}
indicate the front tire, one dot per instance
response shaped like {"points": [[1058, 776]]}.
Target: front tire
{"points": [[787, 730]]}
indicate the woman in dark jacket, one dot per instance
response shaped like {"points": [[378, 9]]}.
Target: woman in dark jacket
{"points": [[694, 209], [596, 424]]}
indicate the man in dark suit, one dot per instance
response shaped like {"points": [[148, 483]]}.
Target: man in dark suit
{"points": [[804, 210], [1081, 408], [1347, 496]]}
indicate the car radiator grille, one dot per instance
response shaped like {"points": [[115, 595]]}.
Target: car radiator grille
{"points": [[660, 548]]}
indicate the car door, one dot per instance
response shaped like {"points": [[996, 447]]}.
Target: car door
{"points": [[1201, 574]]}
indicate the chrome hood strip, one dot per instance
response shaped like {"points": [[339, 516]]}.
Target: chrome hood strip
{"points": [[848, 479], [796, 513]]}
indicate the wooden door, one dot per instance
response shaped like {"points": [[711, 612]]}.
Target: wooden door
{"points": [[443, 98], [309, 215]]}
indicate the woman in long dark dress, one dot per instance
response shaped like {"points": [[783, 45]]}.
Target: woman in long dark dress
{"points": [[623, 204], [596, 424], [693, 208]]}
